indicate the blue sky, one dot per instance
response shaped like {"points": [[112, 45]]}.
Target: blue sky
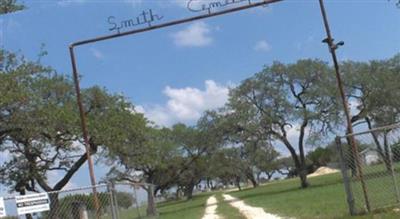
{"points": [[176, 73]]}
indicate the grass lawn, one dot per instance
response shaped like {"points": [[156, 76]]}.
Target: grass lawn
{"points": [[131, 213], [226, 210], [325, 198], [192, 209]]}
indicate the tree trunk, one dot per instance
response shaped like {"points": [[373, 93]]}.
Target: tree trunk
{"points": [[258, 176], [237, 182], [302, 171], [384, 154], [387, 158], [54, 206], [299, 163], [151, 205], [156, 190], [269, 175], [252, 180], [189, 191], [209, 183], [178, 191]]}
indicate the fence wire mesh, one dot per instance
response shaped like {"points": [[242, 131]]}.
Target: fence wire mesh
{"points": [[115, 201], [371, 169]]}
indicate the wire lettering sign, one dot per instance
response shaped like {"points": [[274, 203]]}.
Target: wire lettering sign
{"points": [[146, 17], [212, 5]]}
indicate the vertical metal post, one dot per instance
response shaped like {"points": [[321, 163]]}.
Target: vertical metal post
{"points": [[346, 178], [84, 131], [110, 189], [136, 201], [115, 200], [332, 49], [393, 173]]}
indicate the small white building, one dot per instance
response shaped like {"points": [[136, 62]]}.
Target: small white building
{"points": [[369, 156]]}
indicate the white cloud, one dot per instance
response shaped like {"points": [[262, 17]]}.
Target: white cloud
{"points": [[195, 35], [97, 53], [262, 46], [139, 109], [187, 104], [159, 115]]}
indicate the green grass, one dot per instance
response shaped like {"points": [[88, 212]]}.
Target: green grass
{"points": [[183, 209], [131, 213], [379, 184], [325, 198], [192, 209], [225, 210]]}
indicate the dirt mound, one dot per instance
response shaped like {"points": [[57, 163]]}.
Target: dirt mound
{"points": [[323, 171]]}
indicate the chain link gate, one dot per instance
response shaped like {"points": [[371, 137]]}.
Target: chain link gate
{"points": [[371, 174], [117, 201]]}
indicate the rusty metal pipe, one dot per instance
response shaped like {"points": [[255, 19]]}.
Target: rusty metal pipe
{"points": [[172, 23], [84, 131], [332, 49]]}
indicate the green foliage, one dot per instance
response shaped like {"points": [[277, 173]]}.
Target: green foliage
{"points": [[372, 87], [40, 126], [68, 203], [124, 200], [227, 165], [9, 6], [87, 200], [284, 98], [320, 156], [157, 159]]}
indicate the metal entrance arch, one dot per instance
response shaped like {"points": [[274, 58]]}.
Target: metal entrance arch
{"points": [[329, 41], [84, 128]]}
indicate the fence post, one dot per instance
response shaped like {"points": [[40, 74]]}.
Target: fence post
{"points": [[136, 201], [396, 188], [111, 191], [115, 200], [346, 179], [151, 204]]}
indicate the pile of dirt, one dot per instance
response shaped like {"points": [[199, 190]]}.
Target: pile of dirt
{"points": [[323, 171]]}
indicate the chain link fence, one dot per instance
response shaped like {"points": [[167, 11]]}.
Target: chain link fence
{"points": [[115, 201], [371, 169]]}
